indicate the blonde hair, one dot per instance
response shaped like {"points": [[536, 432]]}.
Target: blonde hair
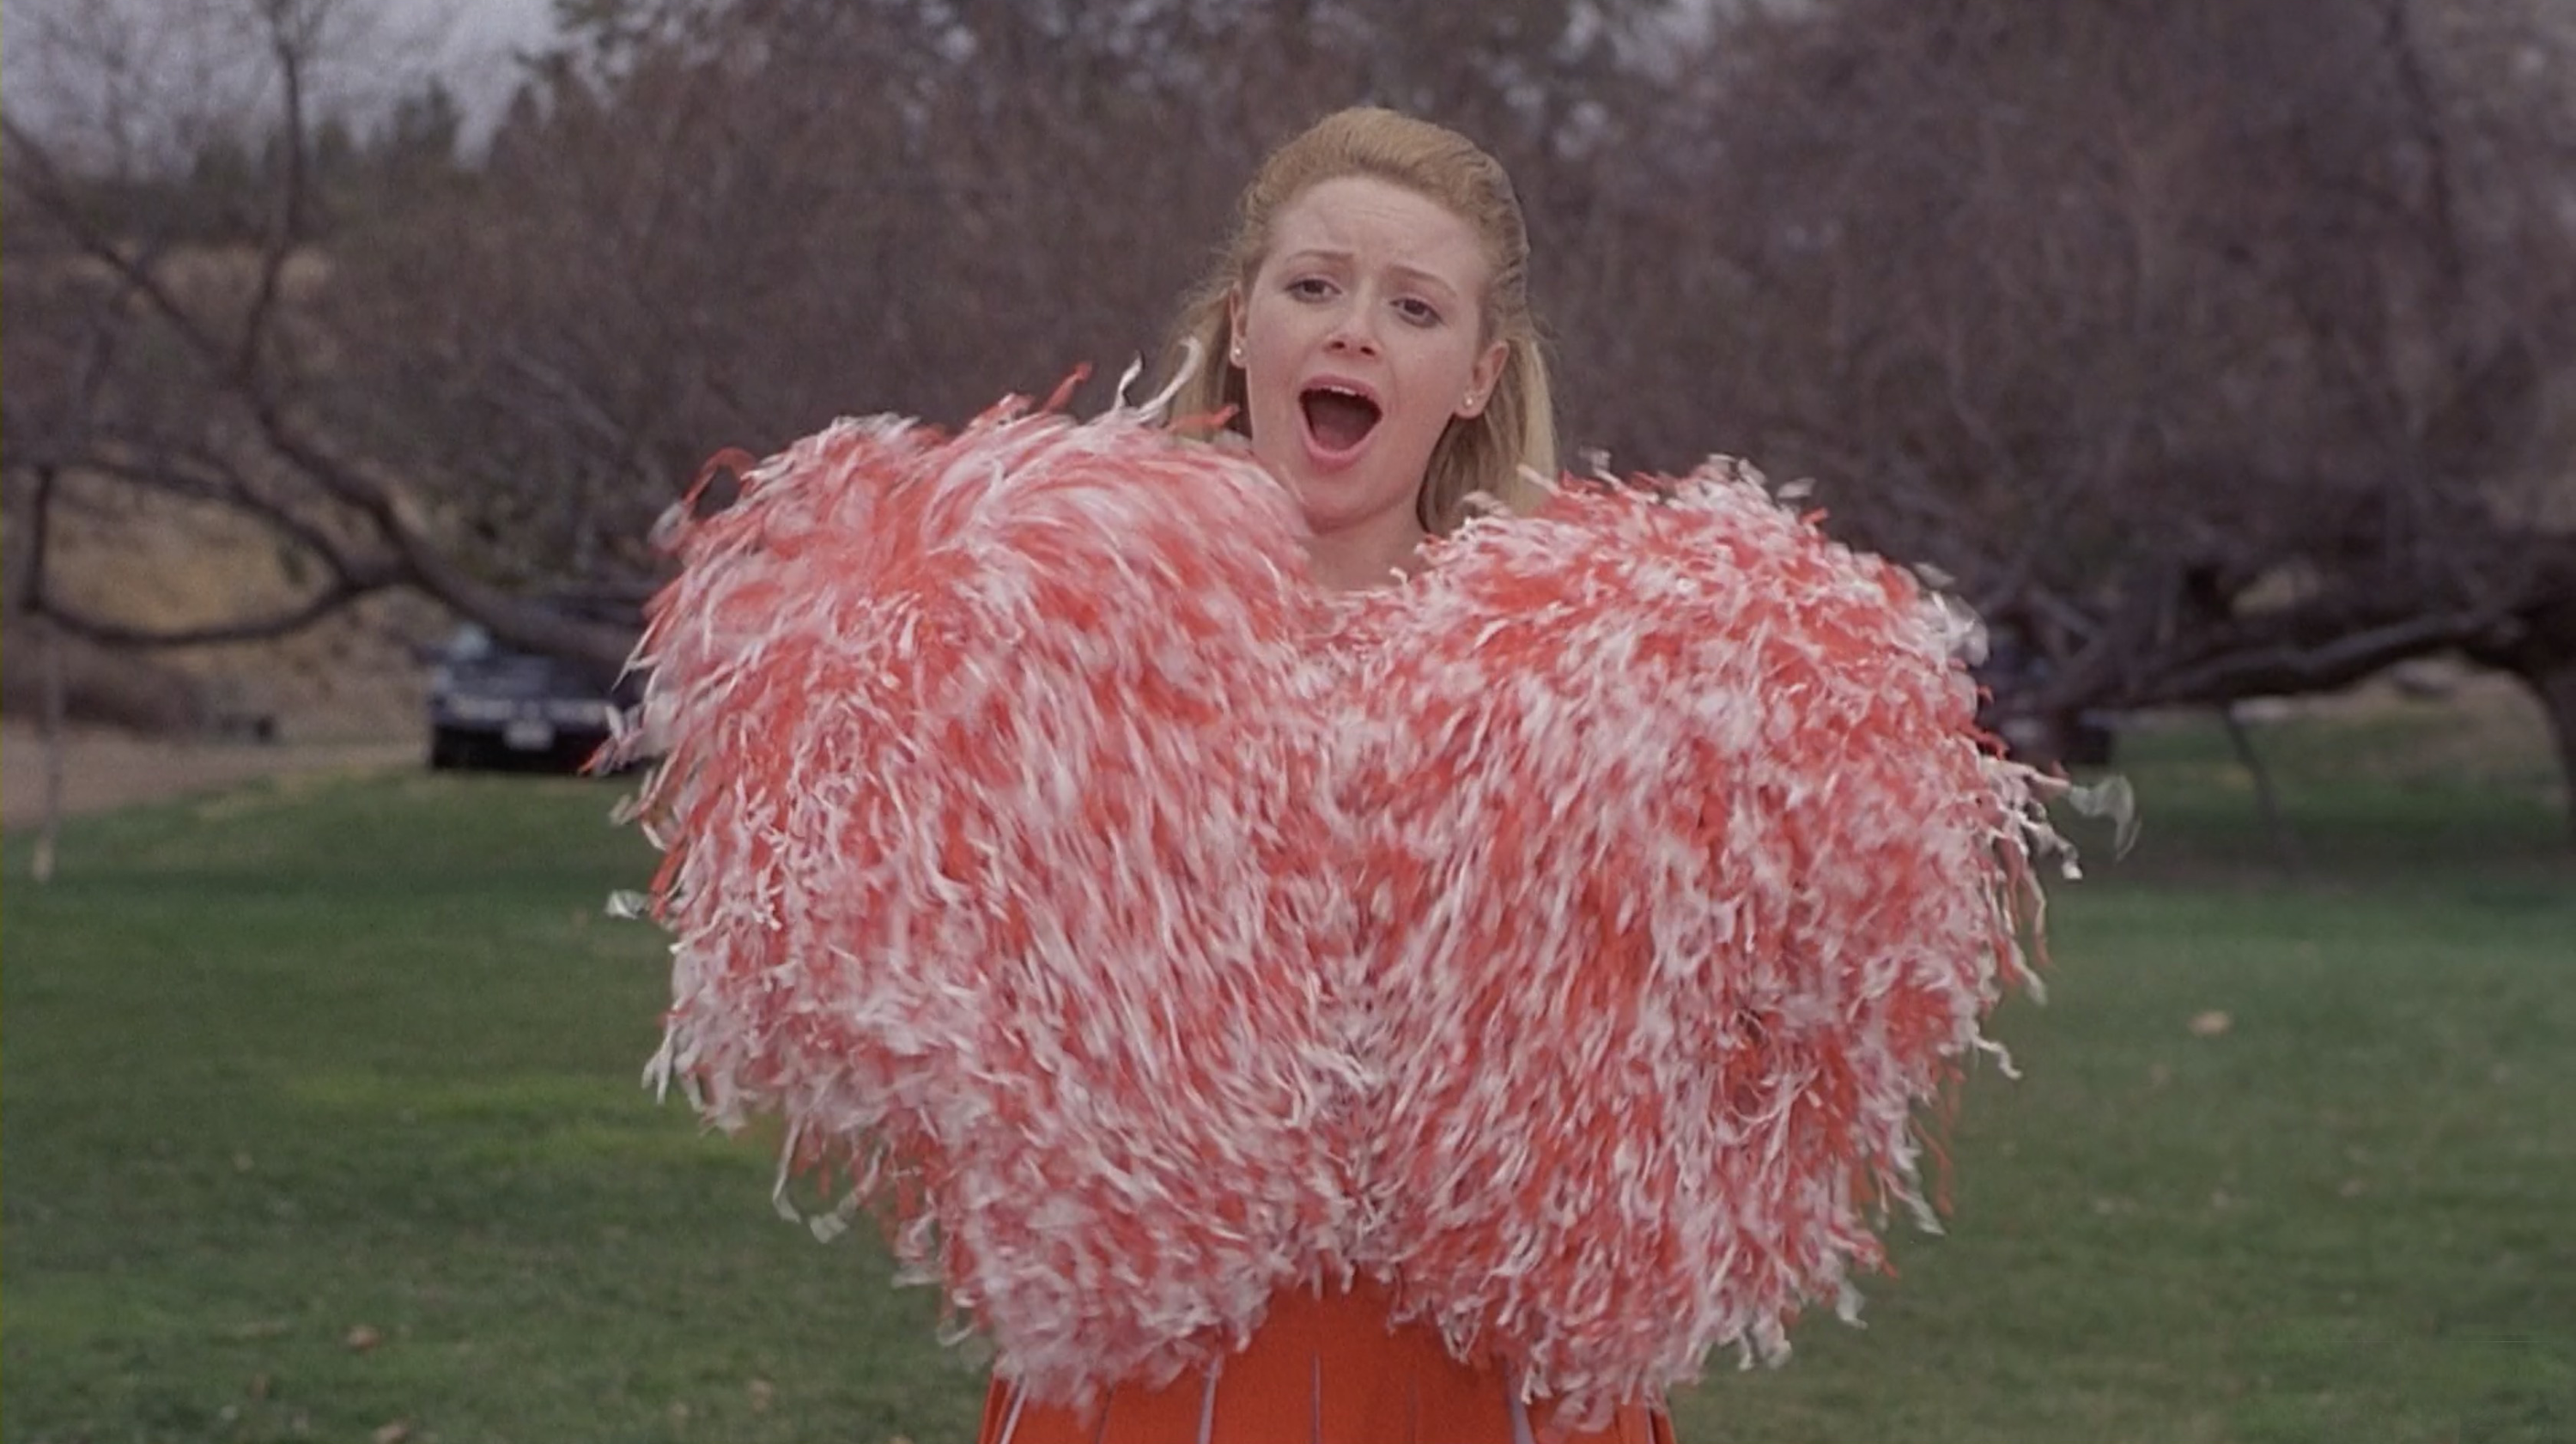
{"points": [[1481, 453]]}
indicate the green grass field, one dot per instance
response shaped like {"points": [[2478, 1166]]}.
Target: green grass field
{"points": [[322, 1120]]}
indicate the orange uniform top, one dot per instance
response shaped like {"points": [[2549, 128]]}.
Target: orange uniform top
{"points": [[1322, 1368]]}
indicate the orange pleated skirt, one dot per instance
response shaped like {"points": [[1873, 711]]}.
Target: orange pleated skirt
{"points": [[1324, 1367]]}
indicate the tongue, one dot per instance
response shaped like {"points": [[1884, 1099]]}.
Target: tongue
{"points": [[1338, 421]]}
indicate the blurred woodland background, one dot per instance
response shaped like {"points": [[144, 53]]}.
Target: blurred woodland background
{"points": [[2213, 350]]}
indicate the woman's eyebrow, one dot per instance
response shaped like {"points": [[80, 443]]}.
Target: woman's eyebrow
{"points": [[1312, 255]]}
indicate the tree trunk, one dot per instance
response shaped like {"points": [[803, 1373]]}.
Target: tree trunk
{"points": [[2554, 683], [49, 827], [2267, 799], [2541, 654]]}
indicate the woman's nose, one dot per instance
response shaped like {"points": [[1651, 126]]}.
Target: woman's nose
{"points": [[1352, 333]]}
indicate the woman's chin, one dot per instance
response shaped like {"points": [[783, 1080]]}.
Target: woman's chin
{"points": [[1331, 509]]}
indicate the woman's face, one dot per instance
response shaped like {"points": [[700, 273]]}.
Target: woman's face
{"points": [[1360, 337]]}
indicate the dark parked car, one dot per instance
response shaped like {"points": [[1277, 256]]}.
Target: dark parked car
{"points": [[491, 706]]}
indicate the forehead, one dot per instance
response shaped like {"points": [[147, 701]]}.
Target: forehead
{"points": [[1380, 222]]}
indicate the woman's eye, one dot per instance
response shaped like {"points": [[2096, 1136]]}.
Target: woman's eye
{"points": [[1418, 311], [1310, 288]]}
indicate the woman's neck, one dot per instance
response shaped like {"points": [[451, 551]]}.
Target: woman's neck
{"points": [[1359, 559]]}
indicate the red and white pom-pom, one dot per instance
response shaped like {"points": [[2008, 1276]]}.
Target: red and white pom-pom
{"points": [[1693, 879], [992, 866]]}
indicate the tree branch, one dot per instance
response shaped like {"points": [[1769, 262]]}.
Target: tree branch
{"points": [[286, 222], [284, 622], [2258, 665]]}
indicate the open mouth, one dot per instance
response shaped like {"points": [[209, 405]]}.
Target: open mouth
{"points": [[1338, 420]]}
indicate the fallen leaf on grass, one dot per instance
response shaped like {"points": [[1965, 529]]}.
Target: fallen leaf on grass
{"points": [[2211, 1023], [762, 1394], [362, 1337], [393, 1433]]}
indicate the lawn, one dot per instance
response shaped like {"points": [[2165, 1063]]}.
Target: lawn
{"points": [[322, 1121]]}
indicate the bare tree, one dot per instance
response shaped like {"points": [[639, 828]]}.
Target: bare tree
{"points": [[2217, 350], [141, 359], [2214, 348]]}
